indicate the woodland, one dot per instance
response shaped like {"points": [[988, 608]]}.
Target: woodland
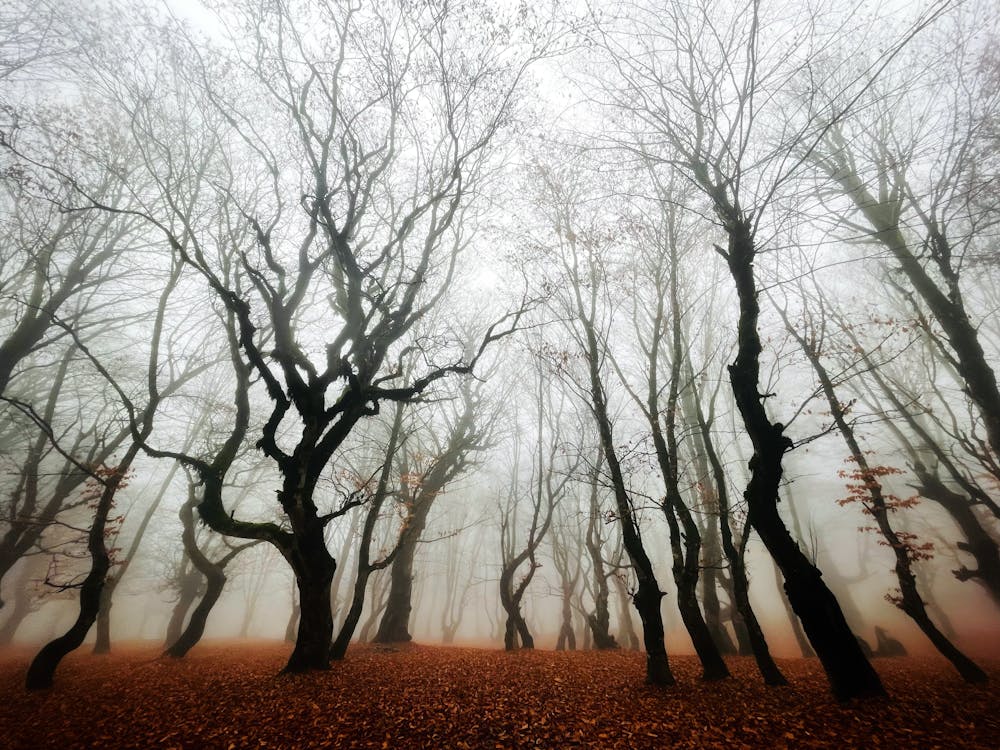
{"points": [[356, 357]]}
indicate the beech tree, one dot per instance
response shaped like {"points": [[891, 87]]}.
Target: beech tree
{"points": [[350, 142], [536, 497], [432, 464], [865, 483], [709, 126], [579, 292]]}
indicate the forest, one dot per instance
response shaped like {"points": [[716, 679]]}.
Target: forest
{"points": [[452, 373]]}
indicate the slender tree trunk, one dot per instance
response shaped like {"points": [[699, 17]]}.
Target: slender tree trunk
{"points": [[686, 578], [878, 507], [293, 620], [978, 543], [710, 582], [102, 643], [947, 305], [377, 601], [599, 620], [686, 546], [43, 666], [850, 673], [339, 647], [749, 635], [647, 595], [567, 637], [625, 616]]}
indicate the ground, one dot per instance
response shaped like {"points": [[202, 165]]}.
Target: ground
{"points": [[230, 695]]}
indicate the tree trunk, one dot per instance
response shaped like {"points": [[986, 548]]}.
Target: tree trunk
{"points": [[312, 644], [185, 598], [800, 637], [686, 553], [567, 637], [339, 647], [293, 622], [395, 624], [878, 507], [599, 621], [849, 672], [215, 583], [749, 635], [710, 580], [979, 543], [625, 615], [43, 666], [102, 644]]}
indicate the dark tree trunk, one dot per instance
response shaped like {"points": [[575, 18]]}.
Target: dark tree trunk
{"points": [[647, 595], [599, 621], [102, 644], [878, 507], [800, 637], [215, 581], [338, 649], [946, 304], [710, 581], [978, 543], [686, 554], [395, 624], [314, 579], [43, 666], [749, 635], [516, 633], [185, 598], [850, 673], [685, 545], [567, 636]]}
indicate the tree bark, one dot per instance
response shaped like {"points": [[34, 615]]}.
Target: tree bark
{"points": [[185, 598], [43, 667], [749, 635], [850, 673], [215, 581]]}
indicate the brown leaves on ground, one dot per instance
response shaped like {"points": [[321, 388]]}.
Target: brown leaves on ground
{"points": [[231, 696]]}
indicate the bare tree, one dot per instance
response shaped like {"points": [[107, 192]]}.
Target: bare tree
{"points": [[546, 485], [350, 149]]}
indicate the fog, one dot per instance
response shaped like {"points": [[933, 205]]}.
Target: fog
{"points": [[510, 327]]}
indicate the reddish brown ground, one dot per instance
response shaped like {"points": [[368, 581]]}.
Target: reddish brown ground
{"points": [[228, 695]]}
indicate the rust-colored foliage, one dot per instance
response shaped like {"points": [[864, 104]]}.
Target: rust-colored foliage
{"points": [[230, 696]]}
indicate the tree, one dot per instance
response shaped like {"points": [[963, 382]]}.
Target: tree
{"points": [[865, 486], [349, 141], [711, 128], [424, 478], [547, 484], [927, 212], [583, 272]]}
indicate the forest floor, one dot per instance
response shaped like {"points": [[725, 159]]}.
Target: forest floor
{"points": [[229, 695]]}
